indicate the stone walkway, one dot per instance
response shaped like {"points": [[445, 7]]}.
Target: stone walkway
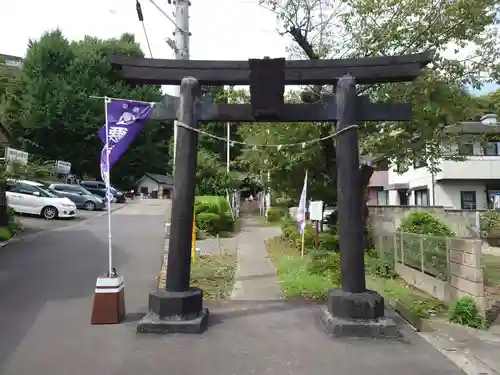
{"points": [[255, 277]]}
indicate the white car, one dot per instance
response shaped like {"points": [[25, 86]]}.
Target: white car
{"points": [[28, 197]]}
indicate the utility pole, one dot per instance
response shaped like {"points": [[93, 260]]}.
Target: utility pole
{"points": [[181, 46], [228, 140]]}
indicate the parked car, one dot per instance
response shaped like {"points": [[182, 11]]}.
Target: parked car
{"points": [[80, 196], [99, 188], [28, 197]]}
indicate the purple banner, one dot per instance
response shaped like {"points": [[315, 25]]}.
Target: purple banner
{"points": [[125, 121]]}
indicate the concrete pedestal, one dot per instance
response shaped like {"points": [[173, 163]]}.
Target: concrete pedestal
{"points": [[357, 315], [175, 312], [109, 301]]}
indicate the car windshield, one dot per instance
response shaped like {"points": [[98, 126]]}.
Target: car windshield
{"points": [[84, 191], [45, 191]]}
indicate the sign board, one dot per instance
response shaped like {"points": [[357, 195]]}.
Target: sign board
{"points": [[16, 156], [316, 210], [63, 167]]}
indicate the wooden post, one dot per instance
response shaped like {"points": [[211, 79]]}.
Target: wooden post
{"points": [[179, 308], [316, 229], [352, 265]]}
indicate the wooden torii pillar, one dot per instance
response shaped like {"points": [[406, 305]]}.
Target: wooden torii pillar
{"points": [[351, 310]]}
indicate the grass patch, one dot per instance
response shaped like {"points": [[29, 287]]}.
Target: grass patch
{"points": [[213, 273], [297, 282]]}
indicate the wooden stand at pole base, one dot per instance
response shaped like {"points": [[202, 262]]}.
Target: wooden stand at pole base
{"points": [[109, 301]]}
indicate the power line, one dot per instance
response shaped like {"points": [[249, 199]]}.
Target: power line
{"points": [[140, 16]]}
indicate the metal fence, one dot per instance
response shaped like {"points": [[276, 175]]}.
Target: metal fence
{"points": [[428, 254]]}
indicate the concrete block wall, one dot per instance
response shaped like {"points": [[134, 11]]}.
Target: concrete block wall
{"points": [[465, 272]]}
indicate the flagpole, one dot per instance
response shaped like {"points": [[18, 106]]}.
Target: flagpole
{"points": [[108, 190], [304, 227]]}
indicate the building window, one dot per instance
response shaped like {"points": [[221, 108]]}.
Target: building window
{"points": [[468, 200], [382, 198], [491, 149], [466, 149], [421, 197], [419, 163]]}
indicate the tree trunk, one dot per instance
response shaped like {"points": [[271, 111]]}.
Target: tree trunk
{"points": [[366, 172]]}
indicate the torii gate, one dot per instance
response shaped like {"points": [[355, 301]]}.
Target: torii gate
{"points": [[351, 310]]}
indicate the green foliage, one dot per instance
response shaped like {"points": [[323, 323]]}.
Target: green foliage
{"points": [[275, 214], [212, 177], [208, 222], [5, 234], [427, 238], [50, 109], [465, 312], [382, 268], [490, 221], [328, 241], [420, 222], [213, 215], [326, 264]]}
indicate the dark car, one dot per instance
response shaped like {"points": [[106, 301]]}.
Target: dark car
{"points": [[99, 188], [81, 197]]}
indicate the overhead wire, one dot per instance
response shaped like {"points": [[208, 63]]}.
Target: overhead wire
{"points": [[140, 16]]}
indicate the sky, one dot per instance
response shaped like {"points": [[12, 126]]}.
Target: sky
{"points": [[221, 29]]}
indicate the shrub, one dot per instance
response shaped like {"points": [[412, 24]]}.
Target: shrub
{"points": [[325, 263], [208, 222], [328, 241], [226, 222], [465, 312], [420, 222], [275, 214], [490, 221], [383, 269]]}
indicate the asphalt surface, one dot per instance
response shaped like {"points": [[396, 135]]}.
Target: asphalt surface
{"points": [[46, 290], [47, 283], [36, 224]]}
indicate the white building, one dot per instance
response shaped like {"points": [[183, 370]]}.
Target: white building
{"points": [[158, 185], [9, 60], [469, 184]]}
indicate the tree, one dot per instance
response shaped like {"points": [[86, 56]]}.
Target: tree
{"points": [[59, 119], [359, 28]]}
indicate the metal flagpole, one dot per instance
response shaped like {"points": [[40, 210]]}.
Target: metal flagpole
{"points": [[108, 190]]}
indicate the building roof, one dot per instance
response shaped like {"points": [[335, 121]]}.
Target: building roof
{"points": [[160, 178], [10, 60]]}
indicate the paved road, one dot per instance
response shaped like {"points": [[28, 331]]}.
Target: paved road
{"points": [[46, 289], [36, 224], [47, 283]]}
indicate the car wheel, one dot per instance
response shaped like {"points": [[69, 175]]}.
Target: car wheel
{"points": [[49, 212], [89, 206]]}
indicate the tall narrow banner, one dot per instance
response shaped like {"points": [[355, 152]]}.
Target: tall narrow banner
{"points": [[301, 211], [125, 120]]}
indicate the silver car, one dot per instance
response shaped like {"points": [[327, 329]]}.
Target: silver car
{"points": [[79, 195]]}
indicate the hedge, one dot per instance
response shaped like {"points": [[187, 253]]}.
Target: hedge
{"points": [[213, 215]]}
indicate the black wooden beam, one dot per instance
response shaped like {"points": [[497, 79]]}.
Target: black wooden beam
{"points": [[325, 111], [315, 72]]}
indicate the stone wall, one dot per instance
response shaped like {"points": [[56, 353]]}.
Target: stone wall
{"points": [[462, 222]]}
